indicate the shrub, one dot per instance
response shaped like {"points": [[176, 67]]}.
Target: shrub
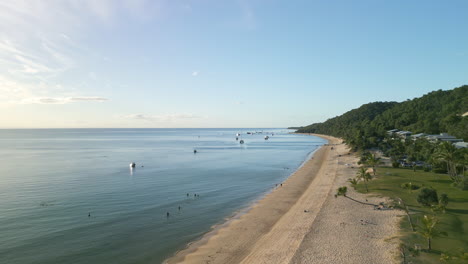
{"points": [[410, 186], [395, 164], [428, 197], [443, 199]]}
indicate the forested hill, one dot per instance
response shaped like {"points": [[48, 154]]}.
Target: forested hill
{"points": [[436, 112]]}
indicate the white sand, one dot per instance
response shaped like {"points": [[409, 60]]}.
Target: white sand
{"points": [[302, 222]]}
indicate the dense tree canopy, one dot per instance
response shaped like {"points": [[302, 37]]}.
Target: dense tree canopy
{"points": [[365, 127]]}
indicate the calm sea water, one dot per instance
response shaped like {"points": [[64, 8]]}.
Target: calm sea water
{"points": [[52, 179]]}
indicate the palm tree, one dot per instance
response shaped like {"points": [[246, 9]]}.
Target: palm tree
{"points": [[353, 181], [405, 207], [443, 202], [428, 229], [446, 152], [363, 175], [342, 191], [372, 161]]}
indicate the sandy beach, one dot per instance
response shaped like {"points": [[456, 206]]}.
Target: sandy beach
{"points": [[302, 222]]}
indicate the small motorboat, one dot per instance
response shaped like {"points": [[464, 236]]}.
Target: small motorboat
{"points": [[132, 165], [267, 137], [237, 134]]}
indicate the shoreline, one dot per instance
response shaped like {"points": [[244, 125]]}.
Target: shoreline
{"points": [[194, 246], [281, 226]]}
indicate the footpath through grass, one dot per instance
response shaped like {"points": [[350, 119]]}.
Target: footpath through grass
{"points": [[454, 221]]}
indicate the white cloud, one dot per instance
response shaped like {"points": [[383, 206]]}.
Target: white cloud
{"points": [[40, 43], [62, 100], [195, 73], [161, 118]]}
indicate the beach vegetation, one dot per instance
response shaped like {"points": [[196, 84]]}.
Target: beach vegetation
{"points": [[364, 176], [343, 191], [366, 127], [353, 181], [428, 229], [428, 197], [454, 221], [373, 161], [442, 205], [410, 186], [448, 154]]}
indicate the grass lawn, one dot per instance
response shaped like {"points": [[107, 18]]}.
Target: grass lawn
{"points": [[454, 221]]}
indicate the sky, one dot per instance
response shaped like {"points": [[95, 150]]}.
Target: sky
{"points": [[215, 63]]}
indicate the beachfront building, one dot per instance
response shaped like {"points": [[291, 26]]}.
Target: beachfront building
{"points": [[392, 131], [416, 136], [443, 137], [404, 134], [461, 144]]}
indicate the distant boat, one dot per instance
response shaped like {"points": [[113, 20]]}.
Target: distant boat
{"points": [[237, 134], [237, 138], [267, 137], [132, 165], [249, 133], [241, 141]]}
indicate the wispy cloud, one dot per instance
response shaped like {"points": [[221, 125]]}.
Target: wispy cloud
{"points": [[62, 100], [195, 73], [40, 43], [161, 118], [248, 18]]}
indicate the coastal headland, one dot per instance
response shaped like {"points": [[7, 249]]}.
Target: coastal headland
{"points": [[301, 221]]}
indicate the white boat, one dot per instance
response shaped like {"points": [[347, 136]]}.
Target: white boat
{"points": [[132, 165], [238, 134]]}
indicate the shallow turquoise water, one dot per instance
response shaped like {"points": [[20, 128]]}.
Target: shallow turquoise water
{"points": [[51, 179]]}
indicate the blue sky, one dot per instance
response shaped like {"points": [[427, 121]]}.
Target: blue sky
{"points": [[213, 63]]}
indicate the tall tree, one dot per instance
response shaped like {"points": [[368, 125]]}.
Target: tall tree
{"points": [[372, 161], [447, 153], [363, 175], [428, 229]]}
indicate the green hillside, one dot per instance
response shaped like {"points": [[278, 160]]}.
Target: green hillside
{"points": [[436, 112]]}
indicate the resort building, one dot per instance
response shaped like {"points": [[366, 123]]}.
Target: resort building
{"points": [[461, 144], [420, 135], [404, 134], [443, 137]]}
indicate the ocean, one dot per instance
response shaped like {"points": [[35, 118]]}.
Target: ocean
{"points": [[69, 195]]}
